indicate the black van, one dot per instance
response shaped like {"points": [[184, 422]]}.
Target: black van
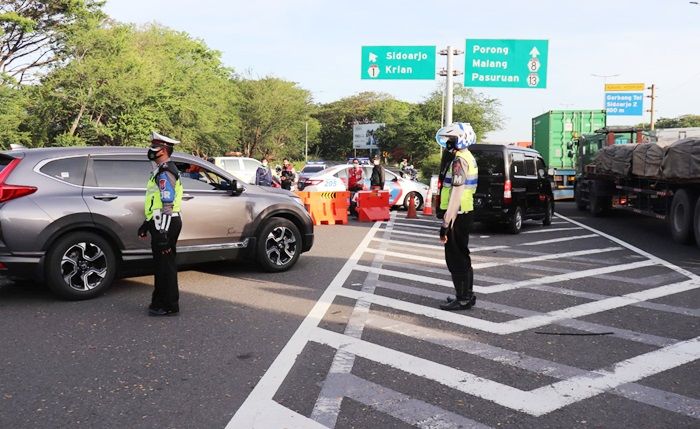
{"points": [[513, 186]]}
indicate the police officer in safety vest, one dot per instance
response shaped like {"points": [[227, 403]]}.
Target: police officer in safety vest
{"points": [[457, 201], [163, 222]]}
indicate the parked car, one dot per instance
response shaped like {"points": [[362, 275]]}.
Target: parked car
{"points": [[311, 168], [400, 190], [513, 186], [69, 216], [241, 167]]}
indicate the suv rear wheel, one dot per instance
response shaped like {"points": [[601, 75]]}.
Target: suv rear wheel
{"points": [[515, 223], [80, 265], [279, 245]]}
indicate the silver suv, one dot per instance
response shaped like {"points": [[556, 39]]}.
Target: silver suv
{"points": [[69, 217]]}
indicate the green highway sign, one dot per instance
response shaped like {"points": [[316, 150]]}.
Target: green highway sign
{"points": [[506, 63], [398, 62]]}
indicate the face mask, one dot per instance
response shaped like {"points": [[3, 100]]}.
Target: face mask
{"points": [[376, 162], [153, 152], [264, 164]]}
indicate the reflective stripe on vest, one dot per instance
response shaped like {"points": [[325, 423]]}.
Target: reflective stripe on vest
{"points": [[153, 201], [467, 200]]}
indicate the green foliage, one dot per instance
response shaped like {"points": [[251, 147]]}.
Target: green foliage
{"points": [[33, 33], [273, 114], [12, 112], [413, 136], [430, 165], [683, 121], [66, 140]]}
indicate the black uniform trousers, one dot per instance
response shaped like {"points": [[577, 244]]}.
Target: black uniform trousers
{"points": [[457, 252], [165, 294]]}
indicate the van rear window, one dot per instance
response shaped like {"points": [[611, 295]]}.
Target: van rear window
{"points": [[490, 163]]}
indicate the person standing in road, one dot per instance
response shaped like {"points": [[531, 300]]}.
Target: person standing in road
{"points": [[263, 175], [163, 222], [376, 181], [457, 200], [288, 175], [402, 166]]}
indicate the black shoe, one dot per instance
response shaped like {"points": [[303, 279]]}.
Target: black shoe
{"points": [[454, 305], [155, 312]]}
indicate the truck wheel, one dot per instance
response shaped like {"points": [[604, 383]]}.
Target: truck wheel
{"points": [[515, 223], [599, 205], [81, 265], [696, 222], [680, 219]]}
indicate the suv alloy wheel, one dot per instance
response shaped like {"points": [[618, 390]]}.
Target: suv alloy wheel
{"points": [[80, 265], [279, 245]]}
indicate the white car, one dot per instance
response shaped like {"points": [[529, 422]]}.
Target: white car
{"points": [[241, 167], [334, 179]]}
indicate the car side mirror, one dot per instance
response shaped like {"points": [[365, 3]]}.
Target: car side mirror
{"points": [[237, 188]]}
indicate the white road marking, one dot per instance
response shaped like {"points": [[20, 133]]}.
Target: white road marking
{"points": [[255, 406], [512, 285], [525, 323], [517, 261], [557, 240], [536, 402], [537, 231], [408, 225]]}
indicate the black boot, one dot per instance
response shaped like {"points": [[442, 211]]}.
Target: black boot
{"points": [[465, 298]]}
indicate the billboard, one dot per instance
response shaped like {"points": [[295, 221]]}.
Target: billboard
{"points": [[363, 136]]}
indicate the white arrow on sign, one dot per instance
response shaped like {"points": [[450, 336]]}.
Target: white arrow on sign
{"points": [[534, 52], [372, 58]]}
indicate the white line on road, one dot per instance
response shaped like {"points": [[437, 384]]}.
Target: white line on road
{"points": [[525, 323], [516, 261], [255, 406], [550, 230], [535, 402]]}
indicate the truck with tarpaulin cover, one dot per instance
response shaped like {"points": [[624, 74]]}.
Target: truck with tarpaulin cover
{"points": [[618, 168]]}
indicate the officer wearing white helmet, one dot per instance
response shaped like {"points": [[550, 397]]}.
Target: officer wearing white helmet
{"points": [[456, 200], [162, 209]]}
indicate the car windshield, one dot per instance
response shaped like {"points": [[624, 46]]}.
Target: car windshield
{"points": [[312, 169], [490, 163]]}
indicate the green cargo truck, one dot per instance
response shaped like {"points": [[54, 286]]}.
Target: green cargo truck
{"points": [[552, 132]]}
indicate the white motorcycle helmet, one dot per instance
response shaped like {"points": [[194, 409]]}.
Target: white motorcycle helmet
{"points": [[457, 136]]}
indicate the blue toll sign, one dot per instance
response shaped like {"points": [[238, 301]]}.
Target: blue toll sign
{"points": [[624, 103]]}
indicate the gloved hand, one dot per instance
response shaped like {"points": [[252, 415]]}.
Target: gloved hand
{"points": [[143, 229], [443, 233]]}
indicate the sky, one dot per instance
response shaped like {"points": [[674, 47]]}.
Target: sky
{"points": [[318, 44]]}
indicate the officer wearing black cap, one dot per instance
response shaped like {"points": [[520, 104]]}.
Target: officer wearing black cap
{"points": [[163, 221]]}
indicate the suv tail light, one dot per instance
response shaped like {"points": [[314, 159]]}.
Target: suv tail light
{"points": [[507, 192], [10, 192]]}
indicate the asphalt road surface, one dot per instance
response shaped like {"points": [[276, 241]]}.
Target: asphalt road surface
{"points": [[590, 322]]}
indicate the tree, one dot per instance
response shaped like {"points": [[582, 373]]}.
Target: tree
{"points": [[121, 83], [338, 117], [413, 136], [33, 33], [683, 121], [13, 112], [273, 114]]}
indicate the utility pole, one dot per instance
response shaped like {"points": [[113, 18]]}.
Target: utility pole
{"points": [[651, 108], [449, 73], [306, 141]]}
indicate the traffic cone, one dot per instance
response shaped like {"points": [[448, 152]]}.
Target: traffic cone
{"points": [[428, 205], [412, 207]]}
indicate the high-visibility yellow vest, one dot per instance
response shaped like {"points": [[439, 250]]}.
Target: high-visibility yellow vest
{"points": [[467, 200], [153, 200]]}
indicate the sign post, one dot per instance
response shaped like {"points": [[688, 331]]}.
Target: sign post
{"points": [[500, 63], [398, 62]]}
